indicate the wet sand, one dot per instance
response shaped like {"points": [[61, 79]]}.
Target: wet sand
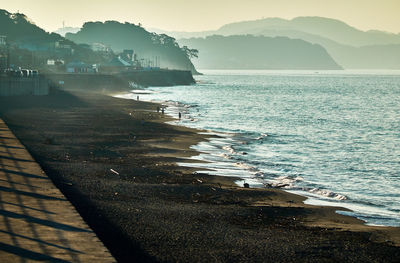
{"points": [[121, 176]]}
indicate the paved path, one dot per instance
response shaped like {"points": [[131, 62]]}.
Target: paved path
{"points": [[37, 222]]}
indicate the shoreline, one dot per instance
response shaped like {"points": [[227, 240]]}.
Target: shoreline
{"points": [[310, 197], [78, 137]]}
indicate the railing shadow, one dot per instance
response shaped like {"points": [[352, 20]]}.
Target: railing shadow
{"points": [[30, 243], [14, 158], [44, 222], [34, 195], [10, 147], [28, 254], [30, 208], [40, 241], [22, 173]]}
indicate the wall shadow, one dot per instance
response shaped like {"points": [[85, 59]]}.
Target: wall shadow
{"points": [[58, 99]]}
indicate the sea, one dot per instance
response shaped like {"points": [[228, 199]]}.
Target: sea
{"points": [[331, 136]]}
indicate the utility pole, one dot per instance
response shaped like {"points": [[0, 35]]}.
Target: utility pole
{"points": [[8, 55]]}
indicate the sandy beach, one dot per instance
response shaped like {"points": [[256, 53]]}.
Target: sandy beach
{"points": [[115, 160]]}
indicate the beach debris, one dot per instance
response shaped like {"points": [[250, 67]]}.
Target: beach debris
{"points": [[115, 172], [200, 181], [67, 183], [49, 141], [132, 137], [195, 197]]}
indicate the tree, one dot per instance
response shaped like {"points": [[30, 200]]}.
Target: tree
{"points": [[190, 53]]}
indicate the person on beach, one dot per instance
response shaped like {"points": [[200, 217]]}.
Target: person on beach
{"points": [[137, 97], [180, 115], [162, 110], [158, 109]]}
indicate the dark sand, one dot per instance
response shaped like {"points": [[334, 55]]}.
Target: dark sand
{"points": [[155, 211]]}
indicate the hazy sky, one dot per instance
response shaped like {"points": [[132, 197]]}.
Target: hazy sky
{"points": [[197, 15]]}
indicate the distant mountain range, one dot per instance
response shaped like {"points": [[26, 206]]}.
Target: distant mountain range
{"points": [[259, 52], [348, 46]]}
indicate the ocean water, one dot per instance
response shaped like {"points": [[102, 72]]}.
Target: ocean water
{"points": [[331, 136]]}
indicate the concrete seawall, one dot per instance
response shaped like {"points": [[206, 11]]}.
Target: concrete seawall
{"points": [[120, 81], [17, 86], [159, 77]]}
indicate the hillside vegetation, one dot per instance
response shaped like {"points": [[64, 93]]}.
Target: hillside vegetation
{"points": [[31, 46], [147, 45]]}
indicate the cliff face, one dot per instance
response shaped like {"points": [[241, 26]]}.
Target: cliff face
{"points": [[258, 52]]}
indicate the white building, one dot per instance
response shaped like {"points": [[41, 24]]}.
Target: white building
{"points": [[100, 47], [3, 40]]}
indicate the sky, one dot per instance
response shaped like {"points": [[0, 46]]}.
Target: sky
{"points": [[200, 15]]}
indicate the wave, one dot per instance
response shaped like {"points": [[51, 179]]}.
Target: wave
{"points": [[326, 193]]}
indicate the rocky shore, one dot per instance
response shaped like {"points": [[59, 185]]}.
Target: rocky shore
{"points": [[115, 160]]}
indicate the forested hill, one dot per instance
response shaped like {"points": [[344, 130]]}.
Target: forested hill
{"points": [[31, 46], [18, 28], [147, 45], [259, 52]]}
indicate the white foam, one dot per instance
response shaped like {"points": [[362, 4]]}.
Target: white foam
{"points": [[284, 181], [327, 193]]}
